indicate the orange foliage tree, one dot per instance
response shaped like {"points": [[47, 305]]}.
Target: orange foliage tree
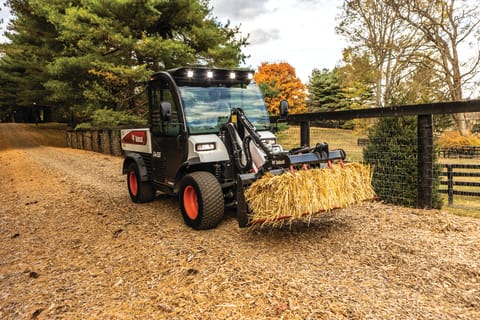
{"points": [[278, 81]]}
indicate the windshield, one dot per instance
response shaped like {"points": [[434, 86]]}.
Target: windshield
{"points": [[208, 108]]}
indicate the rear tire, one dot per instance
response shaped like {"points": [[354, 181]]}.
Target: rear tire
{"points": [[139, 191], [201, 200]]}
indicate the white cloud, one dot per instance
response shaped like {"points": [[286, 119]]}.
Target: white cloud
{"points": [[300, 32], [263, 36], [239, 10]]}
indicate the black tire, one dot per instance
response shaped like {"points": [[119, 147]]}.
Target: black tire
{"points": [[139, 191], [201, 200]]}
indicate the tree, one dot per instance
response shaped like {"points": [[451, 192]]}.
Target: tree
{"points": [[393, 150], [325, 91], [104, 50], [373, 29], [447, 26], [357, 79], [24, 64], [407, 37], [278, 81]]}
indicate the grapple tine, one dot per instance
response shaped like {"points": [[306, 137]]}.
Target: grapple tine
{"points": [[243, 181]]}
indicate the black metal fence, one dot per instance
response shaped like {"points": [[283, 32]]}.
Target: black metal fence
{"points": [[108, 141], [423, 112]]}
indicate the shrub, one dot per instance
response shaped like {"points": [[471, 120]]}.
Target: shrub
{"points": [[453, 139], [108, 118], [392, 150]]}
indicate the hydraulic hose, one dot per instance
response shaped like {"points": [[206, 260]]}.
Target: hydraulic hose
{"points": [[237, 150]]}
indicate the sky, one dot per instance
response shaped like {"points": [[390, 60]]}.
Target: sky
{"points": [[299, 32]]}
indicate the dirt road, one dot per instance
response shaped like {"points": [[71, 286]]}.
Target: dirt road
{"points": [[73, 246]]}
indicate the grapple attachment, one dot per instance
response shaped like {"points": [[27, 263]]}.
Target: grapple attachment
{"points": [[298, 186], [293, 184]]}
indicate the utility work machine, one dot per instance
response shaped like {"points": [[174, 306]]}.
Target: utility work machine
{"points": [[209, 140]]}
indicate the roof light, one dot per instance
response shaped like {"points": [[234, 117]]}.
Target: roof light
{"points": [[190, 73], [232, 75], [209, 74]]}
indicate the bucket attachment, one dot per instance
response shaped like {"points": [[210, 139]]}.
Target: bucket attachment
{"points": [[280, 196]]}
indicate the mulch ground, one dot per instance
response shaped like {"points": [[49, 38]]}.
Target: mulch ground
{"points": [[73, 246]]}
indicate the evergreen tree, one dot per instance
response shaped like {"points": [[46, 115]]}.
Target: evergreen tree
{"points": [[392, 150], [325, 92], [100, 52], [23, 68]]}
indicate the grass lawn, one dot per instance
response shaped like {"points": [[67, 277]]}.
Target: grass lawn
{"points": [[462, 205], [336, 139]]}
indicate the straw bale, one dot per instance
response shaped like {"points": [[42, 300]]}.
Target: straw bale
{"points": [[302, 193]]}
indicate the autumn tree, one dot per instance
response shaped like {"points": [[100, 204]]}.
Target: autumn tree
{"points": [[408, 38], [278, 81], [357, 80]]}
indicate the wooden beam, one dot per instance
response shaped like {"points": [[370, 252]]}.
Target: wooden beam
{"points": [[395, 111]]}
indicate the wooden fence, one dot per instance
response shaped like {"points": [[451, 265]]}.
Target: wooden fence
{"points": [[473, 170], [105, 141], [469, 152]]}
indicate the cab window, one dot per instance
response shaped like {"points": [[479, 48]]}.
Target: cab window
{"points": [[160, 92]]}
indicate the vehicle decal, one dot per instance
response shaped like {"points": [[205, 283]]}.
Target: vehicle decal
{"points": [[136, 137]]}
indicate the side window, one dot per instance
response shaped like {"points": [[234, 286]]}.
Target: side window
{"points": [[161, 92]]}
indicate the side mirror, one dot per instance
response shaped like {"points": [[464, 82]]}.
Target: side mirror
{"points": [[166, 110], [283, 108]]}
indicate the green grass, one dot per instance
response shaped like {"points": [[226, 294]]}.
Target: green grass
{"points": [[336, 139], [462, 205]]}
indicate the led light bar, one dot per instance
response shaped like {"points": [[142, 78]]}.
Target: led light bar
{"points": [[209, 146]]}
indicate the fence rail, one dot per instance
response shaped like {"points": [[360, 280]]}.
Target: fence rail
{"points": [[450, 183], [461, 152]]}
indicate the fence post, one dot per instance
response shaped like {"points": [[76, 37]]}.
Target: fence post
{"points": [[304, 133], [450, 184], [425, 161]]}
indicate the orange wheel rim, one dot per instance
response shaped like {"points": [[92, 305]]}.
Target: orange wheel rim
{"points": [[190, 202], [132, 181]]}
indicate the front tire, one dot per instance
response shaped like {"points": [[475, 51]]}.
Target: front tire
{"points": [[201, 200], [139, 191]]}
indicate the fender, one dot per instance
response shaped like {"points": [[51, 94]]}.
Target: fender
{"points": [[142, 168]]}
